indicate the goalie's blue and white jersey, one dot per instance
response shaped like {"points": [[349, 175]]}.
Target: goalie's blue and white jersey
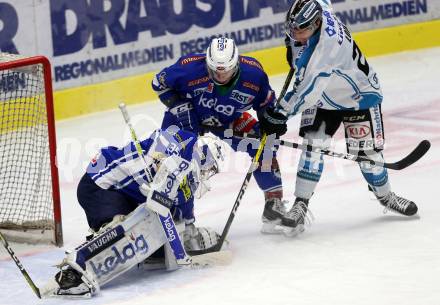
{"points": [[122, 169], [331, 72]]}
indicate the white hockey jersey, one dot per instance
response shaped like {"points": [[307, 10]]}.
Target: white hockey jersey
{"points": [[331, 71]]}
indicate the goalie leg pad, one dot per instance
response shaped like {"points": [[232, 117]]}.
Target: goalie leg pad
{"points": [[174, 240], [117, 249]]}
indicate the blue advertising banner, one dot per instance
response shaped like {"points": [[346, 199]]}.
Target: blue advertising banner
{"points": [[90, 41]]}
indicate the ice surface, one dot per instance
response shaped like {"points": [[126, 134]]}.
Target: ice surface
{"points": [[352, 254]]}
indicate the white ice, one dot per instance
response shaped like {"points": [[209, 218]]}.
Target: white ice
{"points": [[352, 253]]}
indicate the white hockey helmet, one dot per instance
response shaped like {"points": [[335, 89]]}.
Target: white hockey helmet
{"points": [[222, 60], [208, 154]]}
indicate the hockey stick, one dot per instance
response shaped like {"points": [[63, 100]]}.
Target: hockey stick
{"points": [[245, 183], [418, 152], [134, 138], [20, 266], [217, 247]]}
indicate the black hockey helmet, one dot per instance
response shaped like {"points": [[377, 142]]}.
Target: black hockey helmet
{"points": [[301, 15]]}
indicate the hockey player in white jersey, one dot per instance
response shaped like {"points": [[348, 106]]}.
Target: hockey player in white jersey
{"points": [[138, 205], [334, 84]]}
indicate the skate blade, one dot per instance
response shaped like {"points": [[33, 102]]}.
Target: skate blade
{"points": [[219, 258], [271, 227], [50, 290], [292, 232]]}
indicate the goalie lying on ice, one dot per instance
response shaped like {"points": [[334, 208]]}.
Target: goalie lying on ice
{"points": [[132, 203]]}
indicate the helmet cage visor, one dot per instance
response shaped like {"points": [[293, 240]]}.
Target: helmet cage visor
{"points": [[305, 19]]}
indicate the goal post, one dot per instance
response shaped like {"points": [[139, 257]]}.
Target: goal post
{"points": [[30, 208]]}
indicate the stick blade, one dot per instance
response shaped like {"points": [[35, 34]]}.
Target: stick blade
{"points": [[218, 258], [413, 157], [214, 248]]}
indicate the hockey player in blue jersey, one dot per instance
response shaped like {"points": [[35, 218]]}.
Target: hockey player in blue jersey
{"points": [[134, 204], [334, 84], [217, 89], [113, 178]]}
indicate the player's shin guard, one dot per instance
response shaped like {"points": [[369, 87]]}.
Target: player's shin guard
{"points": [[309, 173], [311, 164], [376, 176], [268, 177]]}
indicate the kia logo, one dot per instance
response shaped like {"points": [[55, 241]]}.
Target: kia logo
{"points": [[357, 131]]}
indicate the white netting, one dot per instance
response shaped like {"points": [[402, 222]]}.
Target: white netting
{"points": [[25, 178]]}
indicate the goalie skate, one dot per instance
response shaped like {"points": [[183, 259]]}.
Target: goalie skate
{"points": [[68, 283]]}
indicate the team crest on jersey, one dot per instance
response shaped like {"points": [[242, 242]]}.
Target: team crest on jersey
{"points": [[251, 86], [241, 97], [198, 81], [191, 59]]}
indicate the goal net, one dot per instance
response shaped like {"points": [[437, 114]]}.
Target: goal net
{"points": [[29, 188]]}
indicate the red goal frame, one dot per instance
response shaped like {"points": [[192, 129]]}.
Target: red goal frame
{"points": [[47, 72]]}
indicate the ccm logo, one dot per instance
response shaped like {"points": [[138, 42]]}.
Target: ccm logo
{"points": [[357, 131]]}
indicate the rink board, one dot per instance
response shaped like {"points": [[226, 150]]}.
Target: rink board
{"points": [[137, 89]]}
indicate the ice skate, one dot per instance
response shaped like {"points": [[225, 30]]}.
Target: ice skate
{"points": [[293, 222], [274, 211], [67, 283], [397, 204]]}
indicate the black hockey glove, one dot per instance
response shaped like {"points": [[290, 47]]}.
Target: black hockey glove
{"points": [[272, 122], [289, 55]]}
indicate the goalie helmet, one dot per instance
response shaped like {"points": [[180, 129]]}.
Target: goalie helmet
{"points": [[303, 14], [208, 154], [222, 60]]}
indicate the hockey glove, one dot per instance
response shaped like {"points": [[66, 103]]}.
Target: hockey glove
{"points": [[272, 122], [199, 238], [185, 117]]}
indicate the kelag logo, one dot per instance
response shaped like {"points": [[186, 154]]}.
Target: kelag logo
{"points": [[93, 18], [119, 256]]}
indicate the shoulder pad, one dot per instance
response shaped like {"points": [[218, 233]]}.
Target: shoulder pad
{"points": [[191, 58], [249, 61]]}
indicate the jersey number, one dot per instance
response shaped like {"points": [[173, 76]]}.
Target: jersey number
{"points": [[360, 58]]}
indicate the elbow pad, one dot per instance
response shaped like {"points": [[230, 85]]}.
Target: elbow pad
{"points": [[169, 99]]}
